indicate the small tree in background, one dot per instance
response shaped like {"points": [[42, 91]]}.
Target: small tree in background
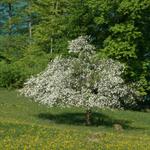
{"points": [[81, 82]]}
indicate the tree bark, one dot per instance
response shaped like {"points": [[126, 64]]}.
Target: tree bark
{"points": [[10, 17], [88, 117], [51, 45], [30, 29], [29, 21]]}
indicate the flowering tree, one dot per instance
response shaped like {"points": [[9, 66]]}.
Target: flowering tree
{"points": [[82, 82]]}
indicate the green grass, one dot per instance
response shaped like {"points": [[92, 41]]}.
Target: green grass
{"points": [[27, 125]]}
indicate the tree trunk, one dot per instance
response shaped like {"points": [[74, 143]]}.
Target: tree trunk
{"points": [[10, 17], [29, 21], [51, 45], [88, 117], [30, 30]]}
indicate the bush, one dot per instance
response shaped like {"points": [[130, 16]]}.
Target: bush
{"points": [[14, 75], [11, 75]]}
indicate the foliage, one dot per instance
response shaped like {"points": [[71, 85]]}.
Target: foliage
{"points": [[14, 74], [13, 17], [119, 30], [12, 47], [49, 32], [82, 82], [10, 75]]}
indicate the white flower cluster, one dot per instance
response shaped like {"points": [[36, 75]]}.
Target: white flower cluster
{"points": [[79, 82], [80, 44]]}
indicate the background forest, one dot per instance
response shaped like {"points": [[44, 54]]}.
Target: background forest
{"points": [[33, 32]]}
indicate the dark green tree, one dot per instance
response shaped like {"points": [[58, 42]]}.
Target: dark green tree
{"points": [[52, 20], [120, 30]]}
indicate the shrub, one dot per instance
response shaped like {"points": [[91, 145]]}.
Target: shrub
{"points": [[11, 75], [14, 75]]}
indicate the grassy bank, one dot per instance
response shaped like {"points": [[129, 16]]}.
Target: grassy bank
{"points": [[27, 125]]}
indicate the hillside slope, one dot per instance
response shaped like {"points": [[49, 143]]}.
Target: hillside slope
{"points": [[27, 125]]}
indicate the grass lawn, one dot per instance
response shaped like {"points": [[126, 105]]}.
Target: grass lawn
{"points": [[27, 125]]}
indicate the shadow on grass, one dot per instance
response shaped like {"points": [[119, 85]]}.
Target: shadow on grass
{"points": [[98, 119]]}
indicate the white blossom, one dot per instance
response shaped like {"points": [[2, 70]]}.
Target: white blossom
{"points": [[80, 44], [81, 82]]}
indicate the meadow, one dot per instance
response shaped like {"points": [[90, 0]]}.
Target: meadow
{"points": [[26, 125]]}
